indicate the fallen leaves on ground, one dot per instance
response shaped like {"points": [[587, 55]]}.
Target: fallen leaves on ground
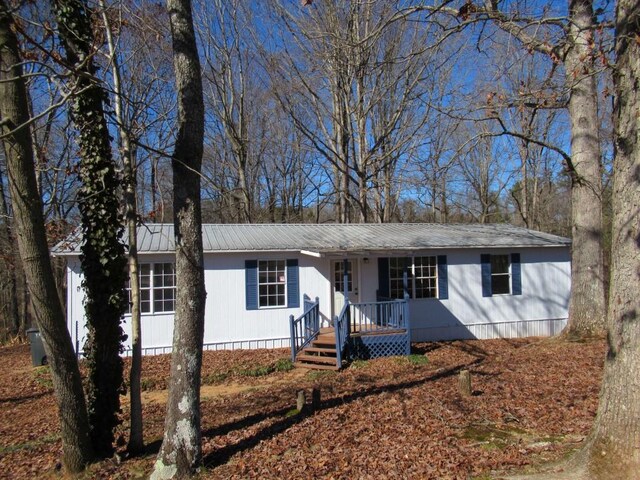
{"points": [[533, 400]]}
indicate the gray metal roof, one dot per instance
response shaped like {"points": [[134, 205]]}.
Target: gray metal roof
{"points": [[336, 238]]}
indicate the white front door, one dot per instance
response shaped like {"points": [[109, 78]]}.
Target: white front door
{"points": [[337, 268]]}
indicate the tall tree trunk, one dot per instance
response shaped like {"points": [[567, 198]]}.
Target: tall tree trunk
{"points": [[613, 447], [341, 155], [136, 439], [10, 288], [103, 262], [181, 450], [32, 243], [587, 305], [154, 188]]}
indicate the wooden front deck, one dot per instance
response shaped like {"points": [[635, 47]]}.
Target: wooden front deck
{"points": [[362, 331], [367, 344]]}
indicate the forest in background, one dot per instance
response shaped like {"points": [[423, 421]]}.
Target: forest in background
{"points": [[332, 112]]}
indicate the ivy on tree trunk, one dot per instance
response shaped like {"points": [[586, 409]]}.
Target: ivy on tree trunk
{"points": [[102, 260]]}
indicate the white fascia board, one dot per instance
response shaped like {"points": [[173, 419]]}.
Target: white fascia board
{"points": [[312, 254]]}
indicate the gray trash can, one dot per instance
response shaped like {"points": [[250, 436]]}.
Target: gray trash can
{"points": [[38, 355]]}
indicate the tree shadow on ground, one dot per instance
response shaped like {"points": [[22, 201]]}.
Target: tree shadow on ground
{"points": [[222, 455], [25, 397], [472, 348]]}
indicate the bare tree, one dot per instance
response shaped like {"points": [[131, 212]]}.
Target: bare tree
{"points": [[611, 450], [231, 91], [32, 243], [572, 42], [136, 440], [437, 168], [181, 450], [355, 80], [10, 313], [483, 170]]}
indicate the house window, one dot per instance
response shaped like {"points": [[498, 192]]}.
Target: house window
{"points": [[157, 288], [425, 277], [422, 277], [500, 276], [272, 281]]}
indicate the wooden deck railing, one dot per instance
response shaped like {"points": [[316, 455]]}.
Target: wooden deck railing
{"points": [[305, 328], [379, 316], [391, 316], [342, 330]]}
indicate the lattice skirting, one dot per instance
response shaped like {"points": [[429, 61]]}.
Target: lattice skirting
{"points": [[375, 346]]}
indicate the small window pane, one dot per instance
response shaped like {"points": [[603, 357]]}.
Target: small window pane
{"points": [[397, 267], [500, 277], [500, 284], [499, 264], [145, 276], [145, 295]]}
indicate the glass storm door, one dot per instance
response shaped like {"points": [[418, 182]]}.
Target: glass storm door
{"points": [[338, 283]]}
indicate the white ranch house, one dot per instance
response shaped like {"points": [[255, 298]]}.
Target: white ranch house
{"points": [[459, 281]]}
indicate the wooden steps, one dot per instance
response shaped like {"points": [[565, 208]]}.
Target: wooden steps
{"points": [[321, 353], [328, 351], [316, 366], [305, 358]]}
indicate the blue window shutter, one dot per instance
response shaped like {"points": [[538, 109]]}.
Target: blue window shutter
{"points": [[293, 283], [383, 278], [443, 281], [251, 284], [485, 260], [516, 274]]}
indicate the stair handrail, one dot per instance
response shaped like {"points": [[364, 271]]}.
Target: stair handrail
{"points": [[342, 327], [407, 323], [305, 328]]}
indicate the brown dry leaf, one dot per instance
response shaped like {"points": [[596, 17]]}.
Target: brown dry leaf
{"points": [[387, 418]]}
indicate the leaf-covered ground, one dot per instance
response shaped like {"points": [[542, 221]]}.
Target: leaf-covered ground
{"points": [[533, 401]]}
